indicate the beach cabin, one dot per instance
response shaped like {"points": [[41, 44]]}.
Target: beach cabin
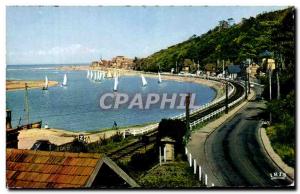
{"points": [[167, 151]]}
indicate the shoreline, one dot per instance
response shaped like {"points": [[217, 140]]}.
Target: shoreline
{"points": [[14, 85], [216, 86], [61, 136]]}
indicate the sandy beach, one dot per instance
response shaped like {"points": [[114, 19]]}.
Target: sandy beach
{"points": [[58, 136], [32, 84]]}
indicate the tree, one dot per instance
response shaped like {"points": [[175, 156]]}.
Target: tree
{"points": [[174, 129]]}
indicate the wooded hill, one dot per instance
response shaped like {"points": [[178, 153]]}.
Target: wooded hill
{"points": [[272, 31]]}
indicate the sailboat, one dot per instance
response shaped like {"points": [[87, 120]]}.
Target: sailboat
{"points": [[97, 77], [46, 84], [116, 84], [144, 82], [100, 76], [91, 75], [88, 74], [159, 78], [65, 80]]}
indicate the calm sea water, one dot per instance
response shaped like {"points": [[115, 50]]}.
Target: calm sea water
{"points": [[76, 107]]}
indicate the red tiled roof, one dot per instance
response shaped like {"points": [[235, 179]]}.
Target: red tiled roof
{"points": [[42, 169]]}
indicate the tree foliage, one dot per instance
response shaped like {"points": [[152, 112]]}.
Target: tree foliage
{"points": [[273, 31]]}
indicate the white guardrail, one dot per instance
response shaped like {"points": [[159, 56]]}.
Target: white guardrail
{"points": [[207, 105], [143, 130], [219, 111], [149, 128]]}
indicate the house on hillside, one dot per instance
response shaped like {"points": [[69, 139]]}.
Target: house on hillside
{"points": [[210, 69], [28, 169], [233, 71], [185, 68], [253, 69]]}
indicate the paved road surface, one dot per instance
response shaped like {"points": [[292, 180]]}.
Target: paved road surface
{"points": [[235, 154]]}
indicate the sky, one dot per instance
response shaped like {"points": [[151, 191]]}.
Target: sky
{"points": [[60, 35]]}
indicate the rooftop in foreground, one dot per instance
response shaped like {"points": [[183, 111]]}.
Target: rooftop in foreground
{"points": [[43, 169]]}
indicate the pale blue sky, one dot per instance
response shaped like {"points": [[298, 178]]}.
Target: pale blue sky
{"points": [[47, 35]]}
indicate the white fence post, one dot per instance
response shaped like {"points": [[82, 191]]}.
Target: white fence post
{"points": [[205, 180], [159, 155], [165, 154], [195, 166], [200, 173], [186, 151], [190, 160]]}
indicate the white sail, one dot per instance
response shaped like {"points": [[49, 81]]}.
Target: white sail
{"points": [[65, 80], [88, 74], [97, 76], [159, 78], [94, 75], [101, 75], [144, 82], [46, 82], [116, 83]]}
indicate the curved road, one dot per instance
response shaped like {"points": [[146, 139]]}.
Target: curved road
{"points": [[235, 154]]}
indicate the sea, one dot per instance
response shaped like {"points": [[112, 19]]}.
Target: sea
{"points": [[77, 106]]}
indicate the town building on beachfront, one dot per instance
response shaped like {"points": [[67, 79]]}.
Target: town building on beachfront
{"points": [[122, 62], [44, 169], [116, 62]]}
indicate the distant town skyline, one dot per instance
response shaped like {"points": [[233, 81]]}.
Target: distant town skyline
{"points": [[58, 35]]}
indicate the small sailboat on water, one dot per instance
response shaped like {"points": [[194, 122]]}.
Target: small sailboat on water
{"points": [[65, 80], [91, 75], [116, 83], [46, 84], [97, 76], [88, 74], [144, 82], [159, 78]]}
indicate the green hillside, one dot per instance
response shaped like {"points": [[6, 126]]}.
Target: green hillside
{"points": [[273, 31]]}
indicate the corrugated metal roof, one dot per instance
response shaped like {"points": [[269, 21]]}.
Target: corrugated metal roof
{"points": [[42, 169]]}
